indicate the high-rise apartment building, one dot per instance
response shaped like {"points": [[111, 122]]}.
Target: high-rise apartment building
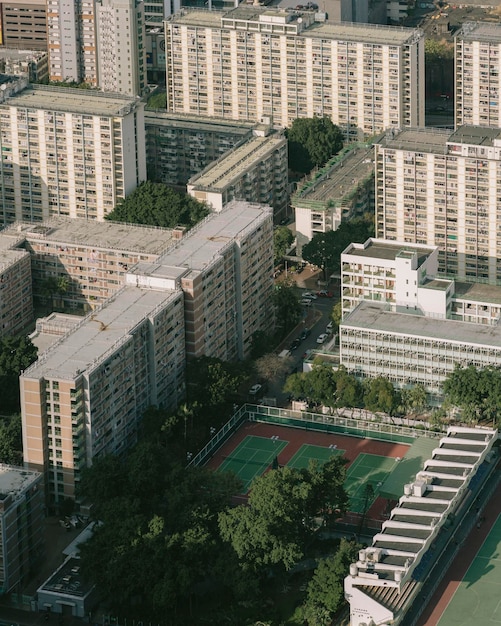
{"points": [[72, 41], [23, 24], [99, 42], [206, 295], [16, 301], [253, 62], [121, 39], [478, 74], [443, 188], [68, 152]]}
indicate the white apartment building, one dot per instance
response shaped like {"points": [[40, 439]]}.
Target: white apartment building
{"points": [[441, 188], [68, 152], [253, 62], [71, 34], [478, 74], [256, 171], [342, 189], [99, 42], [121, 37]]}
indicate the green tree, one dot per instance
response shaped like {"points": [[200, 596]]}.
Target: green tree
{"points": [[476, 392], [337, 315], [271, 367], [16, 355], [326, 588], [312, 142], [287, 306], [380, 395], [282, 241], [11, 440], [324, 250], [157, 101], [156, 204]]}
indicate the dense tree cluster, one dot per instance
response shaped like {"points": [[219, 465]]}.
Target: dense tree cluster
{"points": [[287, 304], [476, 392], [324, 250], [156, 204], [16, 354], [282, 240], [312, 142]]}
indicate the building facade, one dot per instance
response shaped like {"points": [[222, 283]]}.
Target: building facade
{"points": [[477, 58], [253, 62], [33, 64], [441, 188], [256, 171], [342, 189], [16, 300], [180, 146], [68, 152], [24, 24], [21, 525]]}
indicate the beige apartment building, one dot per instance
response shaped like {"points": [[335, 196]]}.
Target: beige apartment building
{"points": [[256, 171], [478, 74], [68, 152], [253, 62], [437, 187], [91, 258], [21, 525], [24, 24], [16, 301]]}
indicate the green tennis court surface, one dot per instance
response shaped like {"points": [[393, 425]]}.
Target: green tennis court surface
{"points": [[477, 600], [366, 468], [307, 452], [252, 457]]}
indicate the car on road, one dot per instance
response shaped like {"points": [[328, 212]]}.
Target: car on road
{"points": [[324, 294], [330, 325], [309, 295], [306, 302], [305, 334], [321, 338], [294, 344], [254, 390]]}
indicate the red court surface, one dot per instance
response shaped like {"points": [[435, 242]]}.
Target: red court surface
{"points": [[299, 436]]}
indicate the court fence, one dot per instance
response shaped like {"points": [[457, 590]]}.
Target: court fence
{"points": [[365, 425]]}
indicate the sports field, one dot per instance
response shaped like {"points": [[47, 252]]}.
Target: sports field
{"points": [[367, 469], [308, 452], [477, 600]]}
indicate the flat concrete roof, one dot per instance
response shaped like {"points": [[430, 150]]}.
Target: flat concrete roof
{"points": [[9, 257], [221, 174], [19, 55], [93, 234], [340, 179], [67, 580], [68, 100], [15, 480], [477, 292], [197, 17], [205, 242], [433, 140], [371, 316], [475, 135], [388, 250], [480, 31], [98, 333], [153, 117]]}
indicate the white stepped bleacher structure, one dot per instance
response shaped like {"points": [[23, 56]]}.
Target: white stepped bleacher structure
{"points": [[382, 584]]}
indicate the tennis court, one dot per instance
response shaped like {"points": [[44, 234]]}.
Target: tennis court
{"points": [[252, 457], [308, 452], [365, 469], [477, 600]]}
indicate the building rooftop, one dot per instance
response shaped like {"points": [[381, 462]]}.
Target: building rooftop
{"points": [[206, 241], [388, 250], [67, 580], [375, 317], [98, 333], [433, 140], [152, 117], [339, 179], [221, 174], [68, 100], [475, 135], [480, 31], [9, 257], [477, 292], [366, 33], [15, 480], [92, 234], [20, 55]]}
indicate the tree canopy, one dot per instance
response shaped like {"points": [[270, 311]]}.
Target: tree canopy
{"points": [[156, 204], [282, 240], [324, 385], [16, 354], [11, 440], [312, 142], [380, 395], [287, 306], [477, 392], [324, 250]]}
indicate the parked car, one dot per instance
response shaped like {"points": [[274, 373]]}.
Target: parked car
{"points": [[309, 295], [330, 325], [254, 390], [324, 294], [306, 302], [305, 334], [294, 344], [321, 338]]}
